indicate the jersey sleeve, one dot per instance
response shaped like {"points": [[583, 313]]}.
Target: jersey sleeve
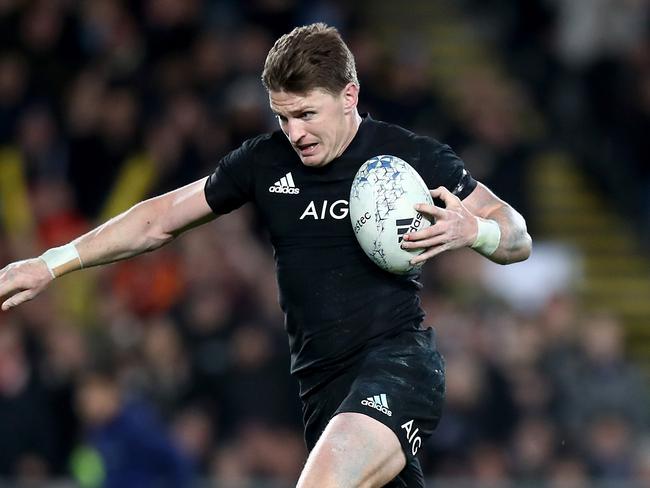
{"points": [[231, 184], [443, 167]]}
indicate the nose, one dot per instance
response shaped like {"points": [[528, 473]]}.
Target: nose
{"points": [[295, 130]]}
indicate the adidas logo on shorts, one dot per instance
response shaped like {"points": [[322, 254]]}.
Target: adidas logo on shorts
{"points": [[285, 185], [378, 402]]}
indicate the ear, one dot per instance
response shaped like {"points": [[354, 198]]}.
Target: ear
{"points": [[350, 96]]}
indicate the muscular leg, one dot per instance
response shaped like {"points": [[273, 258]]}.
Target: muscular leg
{"points": [[354, 451]]}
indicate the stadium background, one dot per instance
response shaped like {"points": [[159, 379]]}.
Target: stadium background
{"points": [[103, 103]]}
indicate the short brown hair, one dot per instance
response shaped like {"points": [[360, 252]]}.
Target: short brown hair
{"points": [[309, 57]]}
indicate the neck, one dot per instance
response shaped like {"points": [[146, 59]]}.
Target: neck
{"points": [[352, 129]]}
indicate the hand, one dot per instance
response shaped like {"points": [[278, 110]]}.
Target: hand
{"points": [[23, 280], [454, 227]]}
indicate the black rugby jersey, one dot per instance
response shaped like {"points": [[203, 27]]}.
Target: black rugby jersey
{"points": [[335, 299]]}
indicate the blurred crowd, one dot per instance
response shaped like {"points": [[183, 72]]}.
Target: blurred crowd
{"points": [[173, 367]]}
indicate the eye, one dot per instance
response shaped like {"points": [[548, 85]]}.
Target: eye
{"points": [[282, 119], [307, 115]]}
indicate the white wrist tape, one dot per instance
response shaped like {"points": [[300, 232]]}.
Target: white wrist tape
{"points": [[61, 260], [488, 237]]}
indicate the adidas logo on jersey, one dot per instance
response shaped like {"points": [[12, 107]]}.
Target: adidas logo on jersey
{"points": [[378, 402], [285, 185], [404, 226]]}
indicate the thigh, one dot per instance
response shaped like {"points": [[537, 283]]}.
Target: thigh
{"points": [[354, 451]]}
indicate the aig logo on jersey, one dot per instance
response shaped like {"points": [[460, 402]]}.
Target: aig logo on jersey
{"points": [[321, 210], [285, 185]]}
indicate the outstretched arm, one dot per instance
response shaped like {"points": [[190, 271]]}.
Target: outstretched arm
{"points": [[481, 221], [144, 227]]}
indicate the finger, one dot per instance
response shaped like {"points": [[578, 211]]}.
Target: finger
{"points": [[445, 195], [17, 299], [5, 287], [425, 243], [430, 210], [426, 255], [429, 232], [8, 281]]}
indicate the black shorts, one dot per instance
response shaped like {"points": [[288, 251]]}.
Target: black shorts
{"points": [[399, 382]]}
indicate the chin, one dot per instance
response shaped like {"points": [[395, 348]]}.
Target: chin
{"points": [[313, 162]]}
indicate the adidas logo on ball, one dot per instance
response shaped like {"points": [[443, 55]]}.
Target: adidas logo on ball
{"points": [[404, 226]]}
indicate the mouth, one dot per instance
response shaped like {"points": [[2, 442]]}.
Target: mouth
{"points": [[306, 149]]}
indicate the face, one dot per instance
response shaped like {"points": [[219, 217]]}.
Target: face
{"points": [[98, 401], [319, 125]]}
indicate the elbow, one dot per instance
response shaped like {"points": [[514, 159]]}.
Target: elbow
{"points": [[516, 253], [528, 247], [523, 251], [152, 233], [156, 241], [156, 237]]}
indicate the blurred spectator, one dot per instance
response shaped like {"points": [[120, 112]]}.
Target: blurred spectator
{"points": [[609, 447], [489, 465], [582, 23], [229, 466], [166, 375], [642, 461], [533, 449], [134, 448], [98, 155], [195, 432], [569, 472], [14, 81], [257, 389], [27, 428], [65, 354], [43, 151], [602, 381]]}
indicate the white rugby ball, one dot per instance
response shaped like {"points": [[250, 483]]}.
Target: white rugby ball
{"points": [[382, 199]]}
